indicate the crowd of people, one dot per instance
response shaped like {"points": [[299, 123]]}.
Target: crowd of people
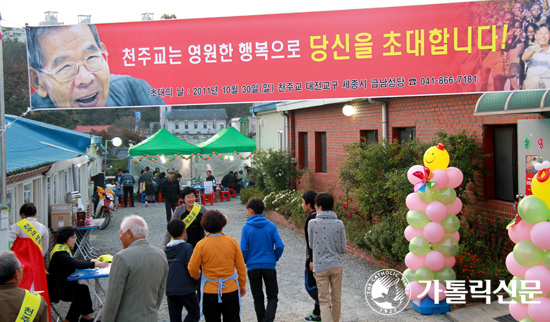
{"points": [[523, 62], [199, 267]]}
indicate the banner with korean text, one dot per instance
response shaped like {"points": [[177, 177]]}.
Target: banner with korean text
{"points": [[384, 52]]}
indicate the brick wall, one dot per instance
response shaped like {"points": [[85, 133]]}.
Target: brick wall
{"points": [[428, 114]]}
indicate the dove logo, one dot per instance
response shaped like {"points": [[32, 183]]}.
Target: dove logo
{"points": [[385, 292]]}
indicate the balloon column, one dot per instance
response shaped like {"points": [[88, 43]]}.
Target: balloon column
{"points": [[529, 262], [433, 225]]}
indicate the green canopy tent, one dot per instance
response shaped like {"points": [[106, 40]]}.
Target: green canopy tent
{"points": [[228, 140], [163, 142]]}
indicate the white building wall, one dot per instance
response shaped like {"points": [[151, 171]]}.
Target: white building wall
{"points": [[268, 126]]}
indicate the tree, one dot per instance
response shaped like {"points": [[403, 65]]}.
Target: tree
{"points": [[16, 80]]}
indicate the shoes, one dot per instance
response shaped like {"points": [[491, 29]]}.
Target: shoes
{"points": [[146, 204], [132, 206], [311, 317]]}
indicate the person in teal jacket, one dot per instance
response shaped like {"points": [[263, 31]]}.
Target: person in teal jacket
{"points": [[262, 247]]}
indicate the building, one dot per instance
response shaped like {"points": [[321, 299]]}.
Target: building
{"points": [[242, 124], [193, 122], [50, 19], [90, 128], [270, 126], [147, 16], [318, 132], [43, 163], [17, 34], [84, 19]]}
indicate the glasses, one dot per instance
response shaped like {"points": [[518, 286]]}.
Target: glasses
{"points": [[68, 71]]}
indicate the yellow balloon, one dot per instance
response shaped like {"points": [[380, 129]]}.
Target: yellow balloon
{"points": [[541, 186], [436, 158]]}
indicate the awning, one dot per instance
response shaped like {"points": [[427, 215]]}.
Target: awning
{"points": [[494, 103]]}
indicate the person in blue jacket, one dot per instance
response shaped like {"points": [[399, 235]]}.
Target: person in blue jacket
{"points": [[180, 286], [262, 247]]}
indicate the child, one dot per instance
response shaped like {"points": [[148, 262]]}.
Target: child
{"points": [[180, 287], [262, 247]]}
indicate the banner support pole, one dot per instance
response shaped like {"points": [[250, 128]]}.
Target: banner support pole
{"points": [[2, 124]]}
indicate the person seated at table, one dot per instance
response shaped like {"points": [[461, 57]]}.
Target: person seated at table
{"points": [[226, 179], [234, 183], [210, 177], [62, 265], [191, 213], [218, 255]]}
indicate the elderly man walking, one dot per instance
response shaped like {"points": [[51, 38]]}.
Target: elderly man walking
{"points": [[18, 304], [138, 276]]}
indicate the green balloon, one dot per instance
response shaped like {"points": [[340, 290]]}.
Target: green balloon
{"points": [[419, 246], [527, 320], [423, 275], [517, 290], [527, 254], [533, 210], [450, 224], [408, 276], [447, 195], [417, 219], [448, 246], [429, 195], [547, 259], [445, 274]]}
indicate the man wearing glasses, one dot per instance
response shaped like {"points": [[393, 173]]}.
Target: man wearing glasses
{"points": [[69, 69]]}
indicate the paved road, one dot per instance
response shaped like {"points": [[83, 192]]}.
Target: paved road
{"points": [[294, 302]]}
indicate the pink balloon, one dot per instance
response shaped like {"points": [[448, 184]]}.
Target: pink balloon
{"points": [[455, 207], [450, 261], [413, 179], [455, 177], [539, 272], [410, 233], [518, 310], [414, 289], [520, 231], [514, 267], [538, 310], [440, 178], [540, 235], [414, 203], [440, 292], [414, 262], [435, 260], [455, 235], [434, 232], [436, 211]]}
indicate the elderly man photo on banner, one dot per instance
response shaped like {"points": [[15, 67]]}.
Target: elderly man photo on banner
{"points": [[68, 68]]}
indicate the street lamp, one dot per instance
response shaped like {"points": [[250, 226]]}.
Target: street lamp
{"points": [[116, 141]]}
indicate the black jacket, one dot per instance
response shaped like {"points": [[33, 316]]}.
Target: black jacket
{"points": [[62, 265], [170, 190], [179, 282], [309, 251], [225, 180]]}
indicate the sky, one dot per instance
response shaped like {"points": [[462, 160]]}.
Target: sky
{"points": [[16, 13]]}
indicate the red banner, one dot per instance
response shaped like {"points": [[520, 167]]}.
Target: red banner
{"points": [[401, 51]]}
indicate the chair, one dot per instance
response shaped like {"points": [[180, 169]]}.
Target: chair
{"points": [[224, 196], [54, 310], [208, 198], [232, 192]]}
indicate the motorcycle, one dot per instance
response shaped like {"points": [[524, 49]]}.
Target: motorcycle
{"points": [[105, 206]]}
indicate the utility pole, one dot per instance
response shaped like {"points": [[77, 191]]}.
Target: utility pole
{"points": [[2, 124]]}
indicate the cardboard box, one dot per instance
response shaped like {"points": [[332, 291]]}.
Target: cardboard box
{"points": [[61, 216]]}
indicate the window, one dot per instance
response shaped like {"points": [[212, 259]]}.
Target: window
{"points": [[405, 134], [177, 125], [221, 126], [186, 125], [27, 192], [204, 126], [321, 152], [369, 136], [302, 148], [504, 161], [196, 123]]}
